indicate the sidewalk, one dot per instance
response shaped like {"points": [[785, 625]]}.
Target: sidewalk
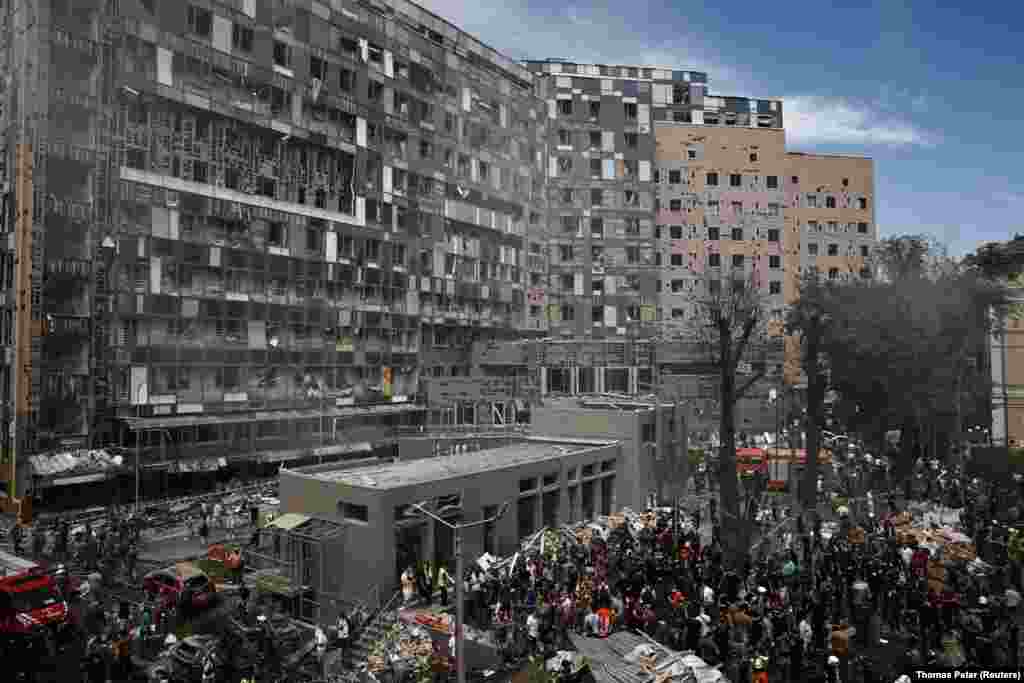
{"points": [[183, 545]]}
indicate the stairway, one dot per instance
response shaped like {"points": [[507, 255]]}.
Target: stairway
{"points": [[373, 633]]}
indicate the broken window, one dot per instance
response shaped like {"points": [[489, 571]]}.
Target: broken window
{"points": [[677, 286], [632, 140], [282, 54], [830, 202], [862, 228], [714, 260], [630, 111], [833, 250], [595, 169], [680, 94], [737, 234], [241, 38], [675, 177], [317, 68], [812, 248], [773, 235], [775, 287], [565, 107], [676, 259], [675, 205], [737, 260], [681, 116], [596, 197], [347, 80], [565, 137], [712, 180], [595, 139], [735, 180], [595, 110], [675, 232], [774, 261], [714, 234], [772, 182], [200, 21], [597, 228], [374, 90]]}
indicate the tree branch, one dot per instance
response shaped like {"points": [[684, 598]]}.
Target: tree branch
{"points": [[754, 379]]}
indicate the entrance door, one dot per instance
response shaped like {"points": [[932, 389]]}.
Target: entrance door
{"points": [[408, 548]]}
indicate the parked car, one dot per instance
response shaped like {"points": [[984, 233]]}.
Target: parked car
{"points": [[180, 583]]}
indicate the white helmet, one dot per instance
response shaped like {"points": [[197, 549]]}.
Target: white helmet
{"points": [[833, 660]]}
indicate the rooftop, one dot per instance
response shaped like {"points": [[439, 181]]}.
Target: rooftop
{"points": [[424, 471]]}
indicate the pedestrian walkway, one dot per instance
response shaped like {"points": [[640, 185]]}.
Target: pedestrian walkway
{"points": [[184, 545]]}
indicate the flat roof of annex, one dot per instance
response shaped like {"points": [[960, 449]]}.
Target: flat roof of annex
{"points": [[530, 450]]}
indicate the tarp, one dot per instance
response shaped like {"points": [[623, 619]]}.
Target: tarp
{"points": [[288, 521], [81, 461]]}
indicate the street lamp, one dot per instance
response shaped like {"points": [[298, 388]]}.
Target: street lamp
{"points": [[460, 599], [144, 387]]}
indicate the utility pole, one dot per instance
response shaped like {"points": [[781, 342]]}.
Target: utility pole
{"points": [[460, 598]]}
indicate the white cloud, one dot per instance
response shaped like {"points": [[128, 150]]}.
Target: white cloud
{"points": [[814, 120], [603, 35]]}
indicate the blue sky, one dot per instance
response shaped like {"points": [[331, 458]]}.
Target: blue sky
{"points": [[932, 91]]}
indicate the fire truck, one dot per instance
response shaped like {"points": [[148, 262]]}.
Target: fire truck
{"points": [[34, 614]]}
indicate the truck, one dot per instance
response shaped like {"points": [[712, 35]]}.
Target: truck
{"points": [[34, 615]]}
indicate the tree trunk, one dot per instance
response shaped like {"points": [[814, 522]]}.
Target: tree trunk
{"points": [[729, 502], [815, 406]]}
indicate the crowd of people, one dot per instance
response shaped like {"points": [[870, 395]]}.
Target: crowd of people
{"points": [[839, 594]]}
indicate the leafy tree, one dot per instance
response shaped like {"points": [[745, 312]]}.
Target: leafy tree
{"points": [[908, 348]]}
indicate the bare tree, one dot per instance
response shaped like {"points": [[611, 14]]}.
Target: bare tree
{"points": [[732, 327]]}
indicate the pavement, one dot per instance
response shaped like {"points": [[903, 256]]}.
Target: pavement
{"points": [[182, 544]]}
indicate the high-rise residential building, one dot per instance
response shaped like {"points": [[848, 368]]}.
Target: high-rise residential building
{"points": [[245, 231]]}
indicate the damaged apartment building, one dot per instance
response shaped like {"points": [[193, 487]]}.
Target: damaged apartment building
{"points": [[251, 227], [257, 222]]}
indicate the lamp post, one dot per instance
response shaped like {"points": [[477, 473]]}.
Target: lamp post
{"points": [[460, 598], [144, 387]]}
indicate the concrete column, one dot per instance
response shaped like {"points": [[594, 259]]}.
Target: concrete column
{"points": [[428, 541], [599, 379], [634, 380], [574, 380], [543, 381]]}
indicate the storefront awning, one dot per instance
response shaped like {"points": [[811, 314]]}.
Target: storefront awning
{"points": [[81, 479], [289, 521], [343, 448], [173, 422]]}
